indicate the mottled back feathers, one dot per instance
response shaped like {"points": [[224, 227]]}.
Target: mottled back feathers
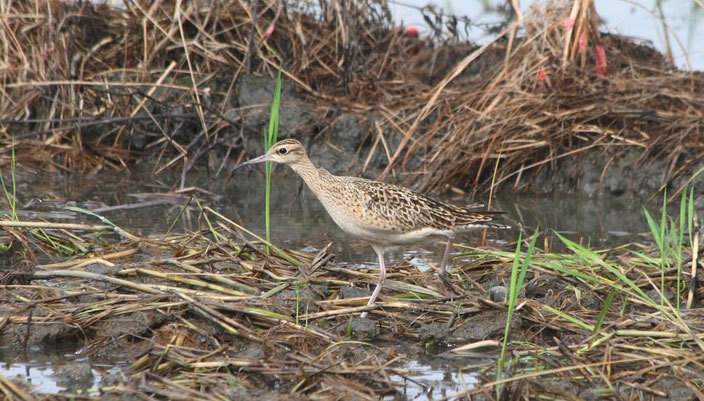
{"points": [[409, 210]]}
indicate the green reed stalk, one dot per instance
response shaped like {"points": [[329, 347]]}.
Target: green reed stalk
{"points": [[11, 199], [659, 235], [671, 242], [270, 138], [680, 241], [518, 274], [690, 215], [604, 309]]}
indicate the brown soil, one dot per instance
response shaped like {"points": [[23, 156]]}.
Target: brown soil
{"points": [[527, 113]]}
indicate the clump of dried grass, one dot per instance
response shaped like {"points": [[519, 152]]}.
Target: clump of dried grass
{"points": [[84, 80], [548, 100], [95, 77], [199, 315]]}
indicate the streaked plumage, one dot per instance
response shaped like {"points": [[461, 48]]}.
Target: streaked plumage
{"points": [[380, 213]]}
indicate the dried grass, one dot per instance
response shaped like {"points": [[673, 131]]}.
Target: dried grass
{"points": [[547, 101], [92, 85], [90, 78], [206, 318]]}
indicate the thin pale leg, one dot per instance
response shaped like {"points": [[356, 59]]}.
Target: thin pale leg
{"points": [[445, 257], [442, 274], [382, 278]]}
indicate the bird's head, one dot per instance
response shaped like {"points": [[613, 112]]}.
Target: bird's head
{"points": [[288, 151]]}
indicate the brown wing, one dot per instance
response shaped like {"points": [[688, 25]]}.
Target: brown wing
{"points": [[409, 210]]}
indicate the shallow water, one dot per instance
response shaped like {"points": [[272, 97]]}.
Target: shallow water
{"points": [[299, 222], [428, 382], [42, 367], [45, 369]]}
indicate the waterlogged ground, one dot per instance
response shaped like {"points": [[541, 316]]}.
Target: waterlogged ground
{"points": [[144, 207]]}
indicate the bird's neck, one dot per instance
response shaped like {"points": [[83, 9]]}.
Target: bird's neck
{"points": [[312, 175]]}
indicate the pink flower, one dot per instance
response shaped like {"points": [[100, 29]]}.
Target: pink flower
{"points": [[568, 23], [600, 60], [412, 31], [269, 31], [582, 44], [541, 75]]}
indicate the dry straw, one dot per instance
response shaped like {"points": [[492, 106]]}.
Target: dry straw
{"points": [[199, 316], [86, 84], [194, 321]]}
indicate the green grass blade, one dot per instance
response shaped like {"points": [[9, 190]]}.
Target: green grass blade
{"points": [[569, 318], [558, 267], [270, 139], [518, 274], [690, 214], [526, 260], [665, 244], [680, 240], [511, 297], [645, 258], [604, 309], [654, 228], [585, 255], [514, 272], [11, 199], [10, 202], [622, 278], [90, 213]]}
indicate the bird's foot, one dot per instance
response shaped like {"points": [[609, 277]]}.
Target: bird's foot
{"points": [[359, 328], [448, 284]]}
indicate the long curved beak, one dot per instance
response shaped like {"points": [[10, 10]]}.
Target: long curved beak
{"points": [[260, 159]]}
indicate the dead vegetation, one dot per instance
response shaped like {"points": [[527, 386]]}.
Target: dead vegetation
{"points": [[202, 316], [88, 86], [552, 97], [93, 86]]}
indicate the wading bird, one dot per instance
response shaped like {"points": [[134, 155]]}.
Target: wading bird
{"points": [[382, 214]]}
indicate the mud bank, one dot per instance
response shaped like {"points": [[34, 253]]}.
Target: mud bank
{"points": [[344, 143], [546, 108]]}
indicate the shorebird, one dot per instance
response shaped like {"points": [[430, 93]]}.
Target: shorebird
{"points": [[384, 215]]}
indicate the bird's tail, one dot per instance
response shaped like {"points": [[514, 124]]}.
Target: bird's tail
{"points": [[472, 218]]}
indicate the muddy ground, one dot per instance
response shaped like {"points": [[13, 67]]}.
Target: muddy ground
{"points": [[540, 115], [240, 346], [336, 141]]}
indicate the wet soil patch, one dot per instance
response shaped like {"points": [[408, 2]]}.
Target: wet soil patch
{"points": [[222, 315]]}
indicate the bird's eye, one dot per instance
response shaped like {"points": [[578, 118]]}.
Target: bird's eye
{"points": [[282, 151]]}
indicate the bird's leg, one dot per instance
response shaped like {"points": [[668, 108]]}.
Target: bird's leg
{"points": [[442, 274], [382, 278], [445, 256]]}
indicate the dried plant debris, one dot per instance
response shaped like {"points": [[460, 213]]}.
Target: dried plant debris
{"points": [[90, 86], [184, 316]]}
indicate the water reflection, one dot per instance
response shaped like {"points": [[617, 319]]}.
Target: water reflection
{"points": [[51, 369], [424, 382], [299, 221]]}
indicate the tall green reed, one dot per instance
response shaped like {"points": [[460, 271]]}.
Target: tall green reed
{"points": [[270, 138], [518, 274], [659, 236], [11, 198], [669, 237]]}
